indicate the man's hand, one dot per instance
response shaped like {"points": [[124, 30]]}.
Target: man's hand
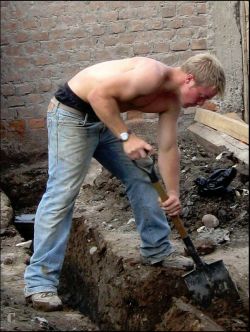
{"points": [[136, 147], [172, 205]]}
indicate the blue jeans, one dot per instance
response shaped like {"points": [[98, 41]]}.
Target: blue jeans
{"points": [[72, 142]]}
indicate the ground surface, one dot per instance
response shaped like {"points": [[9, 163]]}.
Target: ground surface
{"points": [[104, 199]]}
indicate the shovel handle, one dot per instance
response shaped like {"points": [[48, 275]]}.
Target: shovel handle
{"points": [[176, 219], [180, 228]]}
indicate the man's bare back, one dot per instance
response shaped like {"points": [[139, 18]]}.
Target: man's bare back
{"points": [[83, 83]]}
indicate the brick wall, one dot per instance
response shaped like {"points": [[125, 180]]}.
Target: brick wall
{"points": [[44, 43]]}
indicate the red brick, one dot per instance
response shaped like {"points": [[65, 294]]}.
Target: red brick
{"points": [[82, 55], [114, 4], [43, 59], [44, 85], [184, 32], [25, 88], [144, 12], [135, 25], [168, 11], [31, 48], [110, 40], [47, 23], [179, 46], [197, 21], [161, 47], [186, 9], [34, 99], [110, 16], [154, 24], [39, 36], [7, 90], [62, 57], [97, 30], [126, 38], [128, 13], [141, 49], [199, 44], [17, 126], [15, 101], [30, 23], [21, 62], [13, 50], [69, 44], [21, 37], [9, 26], [36, 123], [176, 23], [78, 33], [117, 27], [57, 34], [201, 8]]}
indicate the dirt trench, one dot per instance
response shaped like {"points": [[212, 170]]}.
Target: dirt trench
{"points": [[102, 276]]}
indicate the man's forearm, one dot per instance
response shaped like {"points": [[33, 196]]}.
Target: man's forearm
{"points": [[169, 166]]}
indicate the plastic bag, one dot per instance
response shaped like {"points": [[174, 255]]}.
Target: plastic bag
{"points": [[217, 183]]}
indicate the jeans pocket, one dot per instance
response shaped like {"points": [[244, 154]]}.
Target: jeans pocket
{"points": [[66, 118]]}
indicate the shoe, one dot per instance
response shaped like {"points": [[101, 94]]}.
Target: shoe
{"points": [[46, 301], [174, 260]]}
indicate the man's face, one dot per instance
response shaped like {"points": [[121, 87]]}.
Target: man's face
{"points": [[193, 95]]}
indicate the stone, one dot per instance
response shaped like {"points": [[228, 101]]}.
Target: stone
{"points": [[6, 212], [210, 221]]}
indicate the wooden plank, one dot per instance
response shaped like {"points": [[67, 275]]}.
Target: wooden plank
{"points": [[235, 116], [217, 142], [223, 123], [244, 24]]}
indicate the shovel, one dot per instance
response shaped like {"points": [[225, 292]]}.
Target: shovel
{"points": [[206, 280]]}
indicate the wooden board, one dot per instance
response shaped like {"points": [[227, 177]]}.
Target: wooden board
{"points": [[217, 142], [224, 124], [235, 116]]}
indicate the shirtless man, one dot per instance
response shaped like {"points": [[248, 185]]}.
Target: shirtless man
{"points": [[84, 121]]}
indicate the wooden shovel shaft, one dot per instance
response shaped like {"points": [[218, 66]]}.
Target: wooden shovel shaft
{"points": [[176, 219], [180, 228]]}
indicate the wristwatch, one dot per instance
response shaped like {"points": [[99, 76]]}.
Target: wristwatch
{"points": [[124, 136]]}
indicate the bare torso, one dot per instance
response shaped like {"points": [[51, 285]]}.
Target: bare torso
{"points": [[87, 79]]}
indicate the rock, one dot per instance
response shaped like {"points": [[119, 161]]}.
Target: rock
{"points": [[131, 220], [217, 235], [92, 250], [9, 259], [185, 211], [210, 221], [25, 244], [243, 215], [6, 212], [222, 215], [205, 246]]}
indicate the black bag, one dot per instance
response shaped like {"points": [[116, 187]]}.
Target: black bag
{"points": [[217, 183]]}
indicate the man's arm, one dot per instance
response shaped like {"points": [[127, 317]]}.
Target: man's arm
{"points": [[123, 88], [169, 157]]}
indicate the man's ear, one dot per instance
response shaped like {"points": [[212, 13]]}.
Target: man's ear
{"points": [[189, 78]]}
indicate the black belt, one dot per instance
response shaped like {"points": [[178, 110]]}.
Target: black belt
{"points": [[90, 117]]}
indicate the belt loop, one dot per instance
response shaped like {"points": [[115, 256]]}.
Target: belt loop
{"points": [[85, 119]]}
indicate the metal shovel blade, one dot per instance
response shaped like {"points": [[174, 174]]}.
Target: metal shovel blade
{"points": [[209, 281]]}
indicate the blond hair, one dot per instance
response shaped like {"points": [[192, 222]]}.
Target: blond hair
{"points": [[207, 71]]}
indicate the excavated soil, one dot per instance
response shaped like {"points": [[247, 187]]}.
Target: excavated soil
{"points": [[102, 275]]}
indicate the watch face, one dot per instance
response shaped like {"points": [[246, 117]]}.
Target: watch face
{"points": [[124, 136]]}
